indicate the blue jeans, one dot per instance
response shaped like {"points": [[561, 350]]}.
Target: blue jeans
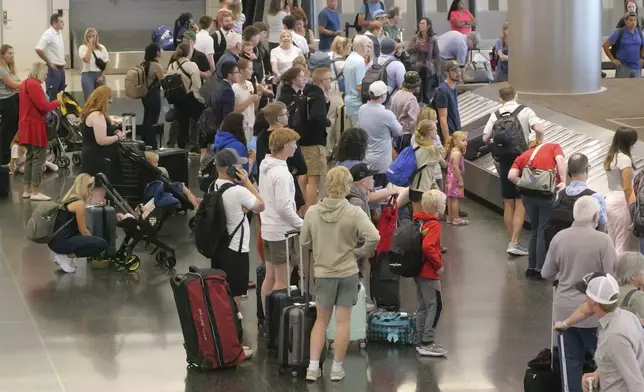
{"points": [[625, 72], [151, 112], [538, 210], [89, 83], [577, 343], [79, 246], [55, 81]]}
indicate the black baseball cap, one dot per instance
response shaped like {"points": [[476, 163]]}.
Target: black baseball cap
{"points": [[360, 171]]}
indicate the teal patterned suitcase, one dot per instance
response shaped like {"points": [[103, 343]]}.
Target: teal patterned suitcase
{"points": [[392, 327]]}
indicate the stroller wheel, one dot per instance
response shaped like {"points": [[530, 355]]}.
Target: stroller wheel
{"points": [[63, 161], [170, 262], [132, 263], [191, 223], [161, 257], [76, 159]]}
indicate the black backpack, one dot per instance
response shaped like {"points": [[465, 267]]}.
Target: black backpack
{"points": [[207, 124], [561, 216], [175, 90], [219, 41], [507, 139], [406, 252], [210, 229], [373, 74], [299, 113], [357, 25]]}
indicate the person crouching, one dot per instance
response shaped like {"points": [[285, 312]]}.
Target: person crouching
{"points": [[428, 285]]}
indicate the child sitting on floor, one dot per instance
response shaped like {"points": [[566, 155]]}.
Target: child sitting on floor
{"points": [[153, 158], [19, 156]]}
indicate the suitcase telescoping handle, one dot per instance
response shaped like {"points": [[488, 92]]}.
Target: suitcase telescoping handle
{"points": [[560, 341], [288, 236]]}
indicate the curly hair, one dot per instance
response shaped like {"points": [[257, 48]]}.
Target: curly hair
{"points": [[353, 145]]}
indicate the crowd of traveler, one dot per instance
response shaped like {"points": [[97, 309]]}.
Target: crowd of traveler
{"points": [[279, 158]]}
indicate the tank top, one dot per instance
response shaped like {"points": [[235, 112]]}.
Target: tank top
{"points": [[94, 156]]}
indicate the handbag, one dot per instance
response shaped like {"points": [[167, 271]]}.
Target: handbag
{"points": [[537, 182], [392, 327], [100, 64]]}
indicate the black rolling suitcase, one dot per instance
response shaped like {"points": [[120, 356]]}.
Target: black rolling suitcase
{"points": [[261, 275], [547, 371], [5, 181], [175, 161], [476, 147], [277, 301], [101, 222], [384, 285], [209, 319]]}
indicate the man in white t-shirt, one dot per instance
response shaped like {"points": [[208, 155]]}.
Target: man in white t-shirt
{"points": [[51, 49], [299, 41], [205, 43], [513, 211], [239, 195]]}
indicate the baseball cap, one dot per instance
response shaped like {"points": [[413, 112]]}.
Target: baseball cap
{"points": [[360, 171], [190, 34], [387, 46], [450, 65], [378, 88], [379, 14], [228, 157], [600, 287], [412, 80]]}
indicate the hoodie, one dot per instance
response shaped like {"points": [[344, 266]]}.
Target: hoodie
{"points": [[314, 130], [224, 139], [431, 231], [331, 228], [360, 198], [277, 189]]}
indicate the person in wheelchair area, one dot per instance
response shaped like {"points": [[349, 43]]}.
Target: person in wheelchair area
{"points": [[153, 158], [72, 239]]}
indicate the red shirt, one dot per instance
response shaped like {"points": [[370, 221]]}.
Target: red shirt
{"points": [[462, 16], [33, 107], [544, 160], [431, 230]]}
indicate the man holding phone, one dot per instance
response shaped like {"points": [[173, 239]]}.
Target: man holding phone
{"points": [[239, 195]]}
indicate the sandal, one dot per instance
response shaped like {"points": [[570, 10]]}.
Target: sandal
{"points": [[460, 222]]}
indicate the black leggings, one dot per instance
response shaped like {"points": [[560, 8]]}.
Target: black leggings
{"points": [[186, 111], [151, 112], [9, 127]]}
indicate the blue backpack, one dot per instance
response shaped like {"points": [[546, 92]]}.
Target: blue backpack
{"points": [[403, 169], [162, 36], [338, 78]]}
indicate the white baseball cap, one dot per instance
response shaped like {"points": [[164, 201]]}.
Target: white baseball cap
{"points": [[600, 287], [378, 88]]}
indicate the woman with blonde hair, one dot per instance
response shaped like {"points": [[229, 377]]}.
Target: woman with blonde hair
{"points": [[95, 58], [428, 156], [99, 150], [283, 56], [9, 83], [33, 130], [73, 239]]}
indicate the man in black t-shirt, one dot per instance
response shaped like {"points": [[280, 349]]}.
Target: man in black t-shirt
{"points": [[197, 57]]}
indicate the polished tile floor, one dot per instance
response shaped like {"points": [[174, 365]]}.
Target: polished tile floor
{"points": [[105, 331]]}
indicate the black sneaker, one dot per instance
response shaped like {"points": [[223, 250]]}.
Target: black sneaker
{"points": [[530, 273]]}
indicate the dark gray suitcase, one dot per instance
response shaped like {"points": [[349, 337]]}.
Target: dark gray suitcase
{"points": [[101, 222], [476, 147]]}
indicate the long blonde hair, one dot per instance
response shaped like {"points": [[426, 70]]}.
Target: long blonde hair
{"points": [[426, 113], [423, 136], [89, 31], [275, 7], [38, 71], [451, 144], [341, 46], [81, 189], [98, 101], [9, 67]]}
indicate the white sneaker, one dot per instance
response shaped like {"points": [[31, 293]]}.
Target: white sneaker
{"points": [[26, 195], [433, 350], [64, 262], [248, 352], [337, 375], [313, 375], [517, 250], [39, 197]]}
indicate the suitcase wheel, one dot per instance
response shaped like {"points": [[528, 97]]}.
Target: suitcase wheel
{"points": [[76, 159], [363, 344], [63, 162]]}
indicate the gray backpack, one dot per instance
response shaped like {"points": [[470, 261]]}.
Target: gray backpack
{"points": [[637, 209], [319, 60], [41, 225]]}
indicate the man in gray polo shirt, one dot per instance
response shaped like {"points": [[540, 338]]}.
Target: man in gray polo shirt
{"points": [[620, 343]]}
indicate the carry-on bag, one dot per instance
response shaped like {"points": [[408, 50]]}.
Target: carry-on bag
{"points": [[5, 181], [547, 371], [358, 327], [276, 301], [476, 147], [296, 324], [210, 321], [101, 222], [175, 161], [392, 327], [260, 273]]}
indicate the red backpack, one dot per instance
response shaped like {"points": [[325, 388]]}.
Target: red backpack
{"points": [[387, 226]]}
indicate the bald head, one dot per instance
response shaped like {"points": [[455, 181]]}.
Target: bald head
{"points": [[578, 167]]}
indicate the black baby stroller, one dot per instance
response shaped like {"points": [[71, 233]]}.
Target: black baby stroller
{"points": [[66, 123], [141, 225]]}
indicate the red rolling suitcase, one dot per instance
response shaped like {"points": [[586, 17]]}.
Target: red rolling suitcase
{"points": [[209, 318]]}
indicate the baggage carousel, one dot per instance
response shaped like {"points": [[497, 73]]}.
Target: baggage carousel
{"points": [[574, 136]]}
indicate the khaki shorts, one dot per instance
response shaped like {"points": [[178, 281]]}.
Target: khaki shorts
{"points": [[315, 157], [275, 251], [330, 292]]}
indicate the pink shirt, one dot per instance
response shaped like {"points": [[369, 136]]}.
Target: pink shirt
{"points": [[463, 16]]}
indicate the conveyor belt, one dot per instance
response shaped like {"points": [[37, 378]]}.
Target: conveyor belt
{"points": [[481, 178]]}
